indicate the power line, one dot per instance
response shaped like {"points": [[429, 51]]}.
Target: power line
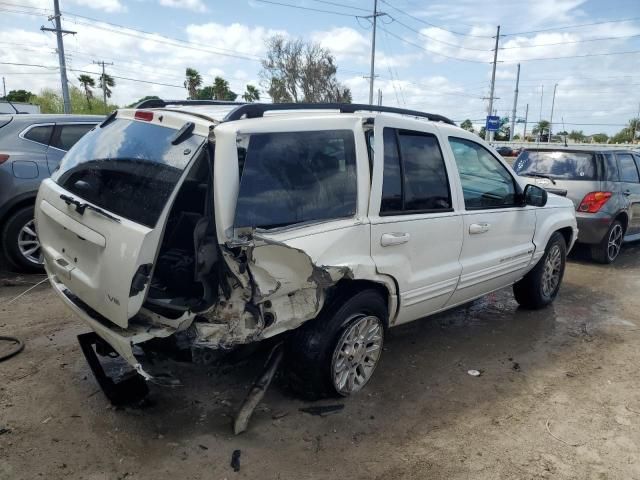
{"points": [[395, 20], [568, 42], [418, 19], [567, 27], [335, 4], [606, 54], [300, 7]]}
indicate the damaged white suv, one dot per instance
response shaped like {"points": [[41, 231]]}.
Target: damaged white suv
{"points": [[218, 225]]}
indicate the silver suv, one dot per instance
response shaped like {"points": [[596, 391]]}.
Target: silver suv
{"points": [[31, 147], [604, 185]]}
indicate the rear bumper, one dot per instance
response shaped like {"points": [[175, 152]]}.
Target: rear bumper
{"points": [[122, 340], [593, 226]]}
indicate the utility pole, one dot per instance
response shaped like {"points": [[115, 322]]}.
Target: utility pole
{"points": [[4, 88], [379, 97], [540, 119], [103, 82], [61, 59], [374, 21], [526, 117], [487, 134], [553, 102], [515, 106]]}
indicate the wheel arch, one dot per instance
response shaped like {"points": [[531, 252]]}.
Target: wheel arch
{"points": [[623, 218], [385, 286], [18, 203]]}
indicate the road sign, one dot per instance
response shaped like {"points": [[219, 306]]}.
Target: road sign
{"points": [[493, 123]]}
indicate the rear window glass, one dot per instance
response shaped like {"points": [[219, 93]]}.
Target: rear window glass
{"points": [[66, 136], [127, 167], [628, 169], [296, 177], [557, 164], [39, 134]]}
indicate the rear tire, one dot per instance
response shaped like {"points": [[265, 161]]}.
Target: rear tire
{"points": [[609, 247], [540, 286], [20, 244], [337, 353]]}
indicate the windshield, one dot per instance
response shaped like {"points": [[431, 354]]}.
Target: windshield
{"points": [[127, 167], [564, 165]]}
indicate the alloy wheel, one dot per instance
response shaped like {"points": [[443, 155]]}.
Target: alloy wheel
{"points": [[552, 271], [357, 354], [614, 242], [28, 243]]}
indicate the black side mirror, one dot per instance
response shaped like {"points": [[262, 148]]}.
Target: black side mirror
{"points": [[535, 196]]}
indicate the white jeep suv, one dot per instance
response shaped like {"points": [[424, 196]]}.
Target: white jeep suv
{"points": [[223, 224]]}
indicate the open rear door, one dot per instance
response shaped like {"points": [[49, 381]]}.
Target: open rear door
{"points": [[100, 218]]}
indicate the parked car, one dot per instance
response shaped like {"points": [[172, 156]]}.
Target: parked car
{"points": [[31, 147], [604, 185], [222, 225]]}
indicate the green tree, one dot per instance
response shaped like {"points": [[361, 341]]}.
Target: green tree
{"points": [[23, 96], [106, 82], [192, 82], [297, 71], [50, 101], [577, 136], [251, 94], [467, 125], [221, 90], [482, 132], [634, 128], [87, 82], [600, 137]]}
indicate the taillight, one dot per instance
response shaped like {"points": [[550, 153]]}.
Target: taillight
{"points": [[3, 158], [145, 115], [592, 202]]}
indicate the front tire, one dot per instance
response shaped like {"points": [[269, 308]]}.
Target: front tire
{"points": [[540, 286], [337, 353], [609, 248], [20, 241]]}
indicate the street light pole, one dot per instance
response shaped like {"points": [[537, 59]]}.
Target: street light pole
{"points": [[374, 20], [553, 102], [487, 134], [515, 106]]}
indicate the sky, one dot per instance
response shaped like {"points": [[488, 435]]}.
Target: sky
{"points": [[431, 55]]}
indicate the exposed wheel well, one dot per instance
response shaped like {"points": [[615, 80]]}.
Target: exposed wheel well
{"points": [[347, 288], [26, 202], [567, 233], [623, 218]]}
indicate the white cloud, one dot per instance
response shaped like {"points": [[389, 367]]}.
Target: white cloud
{"points": [[232, 39], [110, 6], [342, 42], [195, 5]]}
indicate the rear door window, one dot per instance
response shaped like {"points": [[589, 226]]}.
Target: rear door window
{"points": [[611, 167], [628, 169], [563, 165], [127, 167], [66, 136], [296, 177], [40, 134]]}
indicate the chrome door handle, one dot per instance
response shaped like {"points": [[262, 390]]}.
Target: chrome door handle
{"points": [[394, 238], [476, 228]]}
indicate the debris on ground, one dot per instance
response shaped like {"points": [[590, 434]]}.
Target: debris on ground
{"points": [[322, 410], [474, 373], [19, 346], [4, 430], [515, 367], [235, 460]]}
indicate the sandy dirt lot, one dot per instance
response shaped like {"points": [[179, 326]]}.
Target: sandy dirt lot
{"points": [[558, 397]]}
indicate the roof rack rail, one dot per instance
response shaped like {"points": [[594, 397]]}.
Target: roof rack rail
{"points": [[254, 110], [159, 103]]}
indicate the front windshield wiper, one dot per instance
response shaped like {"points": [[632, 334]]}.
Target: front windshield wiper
{"points": [[540, 175]]}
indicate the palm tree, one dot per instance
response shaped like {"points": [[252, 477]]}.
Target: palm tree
{"points": [[87, 82], [192, 82], [252, 94]]}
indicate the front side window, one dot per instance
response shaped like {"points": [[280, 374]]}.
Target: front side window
{"points": [[415, 177], [561, 164], [297, 177], [628, 169], [127, 167], [39, 134], [486, 183], [66, 136]]}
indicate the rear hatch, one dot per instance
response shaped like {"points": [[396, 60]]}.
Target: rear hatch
{"points": [[100, 216], [570, 173]]}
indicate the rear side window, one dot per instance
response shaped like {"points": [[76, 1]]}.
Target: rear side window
{"points": [[611, 167], [563, 165], [628, 169], [66, 136], [486, 183], [296, 177], [415, 177], [127, 167], [39, 134]]}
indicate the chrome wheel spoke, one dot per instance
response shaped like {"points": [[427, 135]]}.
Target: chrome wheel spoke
{"points": [[28, 243]]}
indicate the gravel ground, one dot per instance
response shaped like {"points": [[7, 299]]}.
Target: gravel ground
{"points": [[558, 398]]}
